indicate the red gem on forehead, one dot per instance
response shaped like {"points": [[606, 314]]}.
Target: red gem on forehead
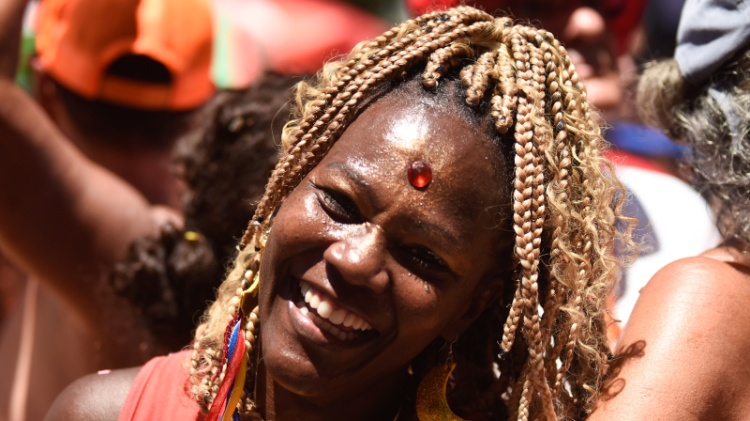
{"points": [[419, 174]]}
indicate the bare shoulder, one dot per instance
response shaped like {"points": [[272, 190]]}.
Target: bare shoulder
{"points": [[696, 294], [96, 397], [682, 354], [700, 302]]}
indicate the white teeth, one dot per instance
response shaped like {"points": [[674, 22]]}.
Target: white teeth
{"points": [[333, 330], [325, 309], [331, 313], [314, 301], [349, 319], [337, 316]]}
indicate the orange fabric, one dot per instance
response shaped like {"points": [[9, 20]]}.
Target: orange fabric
{"points": [[160, 392], [78, 39]]}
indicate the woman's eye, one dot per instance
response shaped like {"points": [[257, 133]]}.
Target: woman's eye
{"points": [[425, 259], [340, 207]]}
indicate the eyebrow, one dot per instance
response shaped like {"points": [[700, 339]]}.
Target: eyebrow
{"points": [[355, 177], [441, 232]]}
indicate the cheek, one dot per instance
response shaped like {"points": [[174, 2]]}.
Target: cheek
{"points": [[423, 310], [290, 233], [299, 223]]}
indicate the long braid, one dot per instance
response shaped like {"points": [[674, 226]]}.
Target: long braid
{"points": [[521, 199], [533, 105], [558, 162], [558, 192], [562, 214], [526, 206], [542, 137]]}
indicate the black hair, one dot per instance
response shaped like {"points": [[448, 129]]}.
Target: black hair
{"points": [[126, 127]]}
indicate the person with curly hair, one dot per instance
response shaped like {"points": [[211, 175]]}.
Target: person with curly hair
{"points": [[682, 355], [435, 242], [147, 302], [169, 278], [84, 171]]}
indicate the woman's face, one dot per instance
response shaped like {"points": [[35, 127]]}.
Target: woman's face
{"points": [[362, 270]]}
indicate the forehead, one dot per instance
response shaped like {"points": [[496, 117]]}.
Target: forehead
{"points": [[469, 175], [411, 127]]}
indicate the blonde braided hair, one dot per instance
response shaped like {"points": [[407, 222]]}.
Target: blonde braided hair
{"points": [[564, 204]]}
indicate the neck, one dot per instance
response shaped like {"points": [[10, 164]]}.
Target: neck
{"points": [[379, 402], [147, 170], [731, 251]]}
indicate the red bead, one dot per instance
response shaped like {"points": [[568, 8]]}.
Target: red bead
{"points": [[419, 174]]}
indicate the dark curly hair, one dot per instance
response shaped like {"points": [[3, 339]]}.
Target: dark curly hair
{"points": [[170, 279]]}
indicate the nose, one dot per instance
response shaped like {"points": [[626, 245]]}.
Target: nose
{"points": [[584, 24], [360, 258]]}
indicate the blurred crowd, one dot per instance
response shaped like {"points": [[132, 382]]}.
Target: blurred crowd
{"points": [[144, 131]]}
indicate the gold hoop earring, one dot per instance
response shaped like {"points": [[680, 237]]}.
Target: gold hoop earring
{"points": [[432, 404]]}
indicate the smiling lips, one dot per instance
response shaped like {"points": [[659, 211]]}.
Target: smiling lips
{"points": [[330, 317]]}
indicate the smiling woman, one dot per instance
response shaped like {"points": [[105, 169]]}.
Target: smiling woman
{"points": [[441, 203], [356, 244]]}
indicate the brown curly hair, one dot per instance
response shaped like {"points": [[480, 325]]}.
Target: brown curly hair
{"points": [[540, 350], [225, 163]]}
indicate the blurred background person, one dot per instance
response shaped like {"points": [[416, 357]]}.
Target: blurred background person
{"points": [[286, 36], [170, 278], [683, 353], [675, 221], [122, 78], [117, 83]]}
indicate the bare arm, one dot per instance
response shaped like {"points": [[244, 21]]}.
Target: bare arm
{"points": [[96, 397], [683, 354], [62, 217]]}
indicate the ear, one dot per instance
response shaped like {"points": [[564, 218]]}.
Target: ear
{"points": [[482, 298]]}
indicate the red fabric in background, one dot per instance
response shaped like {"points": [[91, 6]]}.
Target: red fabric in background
{"points": [[622, 16]]}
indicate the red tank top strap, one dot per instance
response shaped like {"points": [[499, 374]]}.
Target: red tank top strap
{"points": [[160, 392]]}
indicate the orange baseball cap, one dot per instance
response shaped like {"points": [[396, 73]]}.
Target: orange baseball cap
{"points": [[77, 41]]}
